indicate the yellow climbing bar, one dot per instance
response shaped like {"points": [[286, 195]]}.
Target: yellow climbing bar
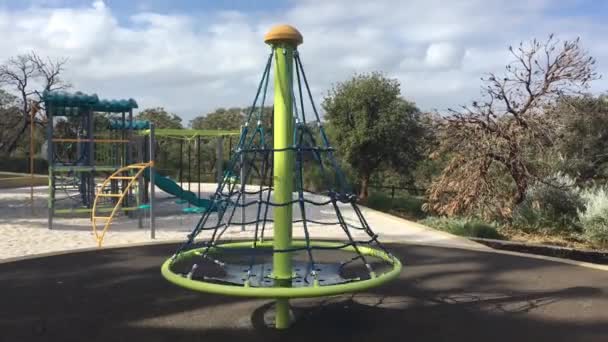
{"points": [[101, 232], [136, 166], [102, 217]]}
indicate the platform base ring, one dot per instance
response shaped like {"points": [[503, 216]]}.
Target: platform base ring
{"points": [[283, 292]]}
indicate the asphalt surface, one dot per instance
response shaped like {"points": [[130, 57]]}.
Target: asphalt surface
{"points": [[442, 295]]}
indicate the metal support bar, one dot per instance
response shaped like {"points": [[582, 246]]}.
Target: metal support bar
{"points": [[243, 193], [152, 142], [220, 159], [283, 175], [49, 156], [198, 164]]}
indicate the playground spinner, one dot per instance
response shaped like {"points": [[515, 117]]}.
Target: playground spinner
{"points": [[273, 161]]}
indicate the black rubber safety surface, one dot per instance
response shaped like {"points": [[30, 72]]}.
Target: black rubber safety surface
{"points": [[442, 295]]}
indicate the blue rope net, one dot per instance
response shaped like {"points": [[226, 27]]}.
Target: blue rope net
{"points": [[252, 163]]}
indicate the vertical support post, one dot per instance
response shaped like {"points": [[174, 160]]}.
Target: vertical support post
{"points": [[284, 40], [79, 145], [33, 110], [181, 165], [130, 137], [198, 164], [140, 201], [220, 159], [129, 154], [141, 146], [243, 185], [146, 148], [152, 142], [123, 151], [189, 164], [91, 137], [49, 158], [90, 195], [123, 148]]}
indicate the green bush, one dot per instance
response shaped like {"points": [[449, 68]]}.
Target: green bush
{"points": [[463, 227], [22, 165], [594, 217], [410, 206], [551, 205], [313, 178]]}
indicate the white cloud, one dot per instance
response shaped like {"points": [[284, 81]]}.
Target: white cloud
{"points": [[192, 63], [443, 55]]}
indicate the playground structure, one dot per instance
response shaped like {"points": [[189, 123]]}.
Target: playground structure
{"points": [[141, 175], [85, 141], [280, 267], [102, 160]]}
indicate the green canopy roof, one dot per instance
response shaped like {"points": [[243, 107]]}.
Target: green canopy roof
{"points": [[60, 100]]}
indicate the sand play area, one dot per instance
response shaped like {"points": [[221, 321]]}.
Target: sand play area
{"points": [[25, 230]]}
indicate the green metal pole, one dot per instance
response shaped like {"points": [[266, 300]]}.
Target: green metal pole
{"points": [[284, 46]]}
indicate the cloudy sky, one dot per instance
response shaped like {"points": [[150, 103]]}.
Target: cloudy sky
{"points": [[193, 56]]}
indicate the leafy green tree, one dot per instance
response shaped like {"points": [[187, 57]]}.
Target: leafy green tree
{"points": [[582, 137], [231, 119], [160, 117], [168, 150], [10, 115], [372, 126], [221, 118], [431, 165], [7, 100]]}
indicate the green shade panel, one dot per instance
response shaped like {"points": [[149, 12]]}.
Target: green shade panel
{"points": [[117, 124], [189, 133]]}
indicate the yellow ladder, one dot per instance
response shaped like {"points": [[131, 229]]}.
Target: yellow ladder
{"points": [[138, 170]]}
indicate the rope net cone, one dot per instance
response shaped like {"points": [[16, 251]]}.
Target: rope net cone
{"points": [[245, 205]]}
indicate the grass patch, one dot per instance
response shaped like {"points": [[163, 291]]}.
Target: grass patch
{"points": [[15, 180], [463, 227], [406, 206]]}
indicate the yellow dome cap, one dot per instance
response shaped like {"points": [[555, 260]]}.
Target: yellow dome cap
{"points": [[284, 33]]}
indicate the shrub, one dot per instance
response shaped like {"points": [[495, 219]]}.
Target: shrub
{"points": [[22, 165], [463, 227], [313, 179], [550, 205], [594, 217], [409, 206]]}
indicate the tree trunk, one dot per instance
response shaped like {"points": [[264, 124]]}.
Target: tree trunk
{"points": [[521, 182], [363, 194]]}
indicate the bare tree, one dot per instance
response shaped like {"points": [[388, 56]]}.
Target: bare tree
{"points": [[494, 143], [27, 76]]}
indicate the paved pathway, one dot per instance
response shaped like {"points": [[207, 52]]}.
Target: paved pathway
{"points": [[443, 294]]}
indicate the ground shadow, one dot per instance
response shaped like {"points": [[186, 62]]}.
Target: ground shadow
{"points": [[442, 294]]}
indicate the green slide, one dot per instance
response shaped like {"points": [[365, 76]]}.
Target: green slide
{"points": [[169, 186]]}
